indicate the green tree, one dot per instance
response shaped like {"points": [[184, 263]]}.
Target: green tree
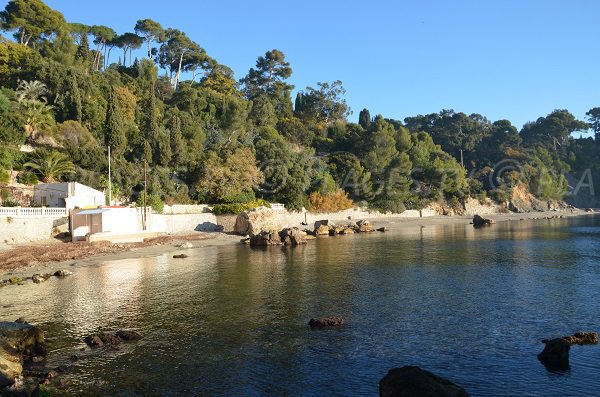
{"points": [[594, 121], [364, 119], [51, 165], [324, 104], [31, 19], [176, 141], [114, 127], [152, 31], [269, 78], [229, 174]]}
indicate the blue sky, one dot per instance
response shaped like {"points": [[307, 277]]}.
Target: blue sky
{"points": [[514, 59]]}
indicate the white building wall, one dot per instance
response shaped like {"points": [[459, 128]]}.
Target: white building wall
{"points": [[50, 194], [120, 220], [68, 194]]}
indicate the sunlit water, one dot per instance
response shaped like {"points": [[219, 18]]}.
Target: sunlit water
{"points": [[470, 305]]}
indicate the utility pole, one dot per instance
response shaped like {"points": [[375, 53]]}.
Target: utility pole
{"points": [[109, 180], [145, 183]]}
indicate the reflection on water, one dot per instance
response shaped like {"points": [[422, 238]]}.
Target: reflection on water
{"points": [[471, 305]]}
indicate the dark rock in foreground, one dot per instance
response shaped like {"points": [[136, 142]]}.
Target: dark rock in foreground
{"points": [[555, 355], [480, 222], [334, 321], [20, 343], [180, 256], [410, 381]]}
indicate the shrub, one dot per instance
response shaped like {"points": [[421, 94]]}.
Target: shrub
{"points": [[27, 178], [153, 201], [334, 202], [236, 208]]}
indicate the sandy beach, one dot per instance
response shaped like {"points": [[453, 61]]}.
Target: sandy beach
{"points": [[46, 257]]}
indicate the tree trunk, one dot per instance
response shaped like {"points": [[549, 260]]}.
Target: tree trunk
{"points": [[149, 48], [178, 71], [22, 40]]}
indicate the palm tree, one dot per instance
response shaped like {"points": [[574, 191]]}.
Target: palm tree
{"points": [[38, 116], [31, 91], [51, 165]]}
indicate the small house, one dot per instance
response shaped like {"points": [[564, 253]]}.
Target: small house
{"points": [[115, 224], [67, 195]]}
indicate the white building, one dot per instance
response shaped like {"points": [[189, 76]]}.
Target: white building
{"points": [[68, 195], [116, 224]]}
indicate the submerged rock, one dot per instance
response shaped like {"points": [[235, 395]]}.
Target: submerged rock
{"points": [[555, 355], [334, 321], [410, 381], [100, 339], [180, 256], [128, 335]]}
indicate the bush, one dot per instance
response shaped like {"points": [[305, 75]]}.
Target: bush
{"points": [[334, 202], [236, 208], [27, 178], [153, 201]]}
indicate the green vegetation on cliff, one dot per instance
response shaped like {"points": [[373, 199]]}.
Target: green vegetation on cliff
{"points": [[71, 90]]}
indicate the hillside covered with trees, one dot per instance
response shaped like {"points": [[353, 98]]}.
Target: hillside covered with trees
{"points": [[71, 90]]}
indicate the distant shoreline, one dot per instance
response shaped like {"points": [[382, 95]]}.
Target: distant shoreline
{"points": [[170, 244]]}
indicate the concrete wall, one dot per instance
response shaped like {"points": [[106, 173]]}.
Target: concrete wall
{"points": [[179, 209], [23, 230], [182, 223]]}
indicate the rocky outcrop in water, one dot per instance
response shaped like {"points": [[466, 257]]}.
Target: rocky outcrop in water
{"points": [[100, 339], [582, 338], [264, 239], [478, 221], [410, 381], [20, 345], [555, 355], [334, 321], [292, 236]]}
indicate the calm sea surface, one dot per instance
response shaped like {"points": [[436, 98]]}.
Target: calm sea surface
{"points": [[469, 305]]}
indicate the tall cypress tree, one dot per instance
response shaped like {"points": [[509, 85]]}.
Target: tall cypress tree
{"points": [[114, 128], [364, 119], [176, 141]]}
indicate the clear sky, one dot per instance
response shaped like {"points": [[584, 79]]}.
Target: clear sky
{"points": [[514, 59]]}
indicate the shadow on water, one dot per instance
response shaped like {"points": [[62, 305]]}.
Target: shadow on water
{"points": [[468, 304]]}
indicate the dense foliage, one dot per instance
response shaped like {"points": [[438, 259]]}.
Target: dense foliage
{"points": [[71, 90]]}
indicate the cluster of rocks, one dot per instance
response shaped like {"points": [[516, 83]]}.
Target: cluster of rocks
{"points": [[36, 278], [100, 339], [328, 228], [555, 355], [22, 350], [288, 236], [294, 236]]}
